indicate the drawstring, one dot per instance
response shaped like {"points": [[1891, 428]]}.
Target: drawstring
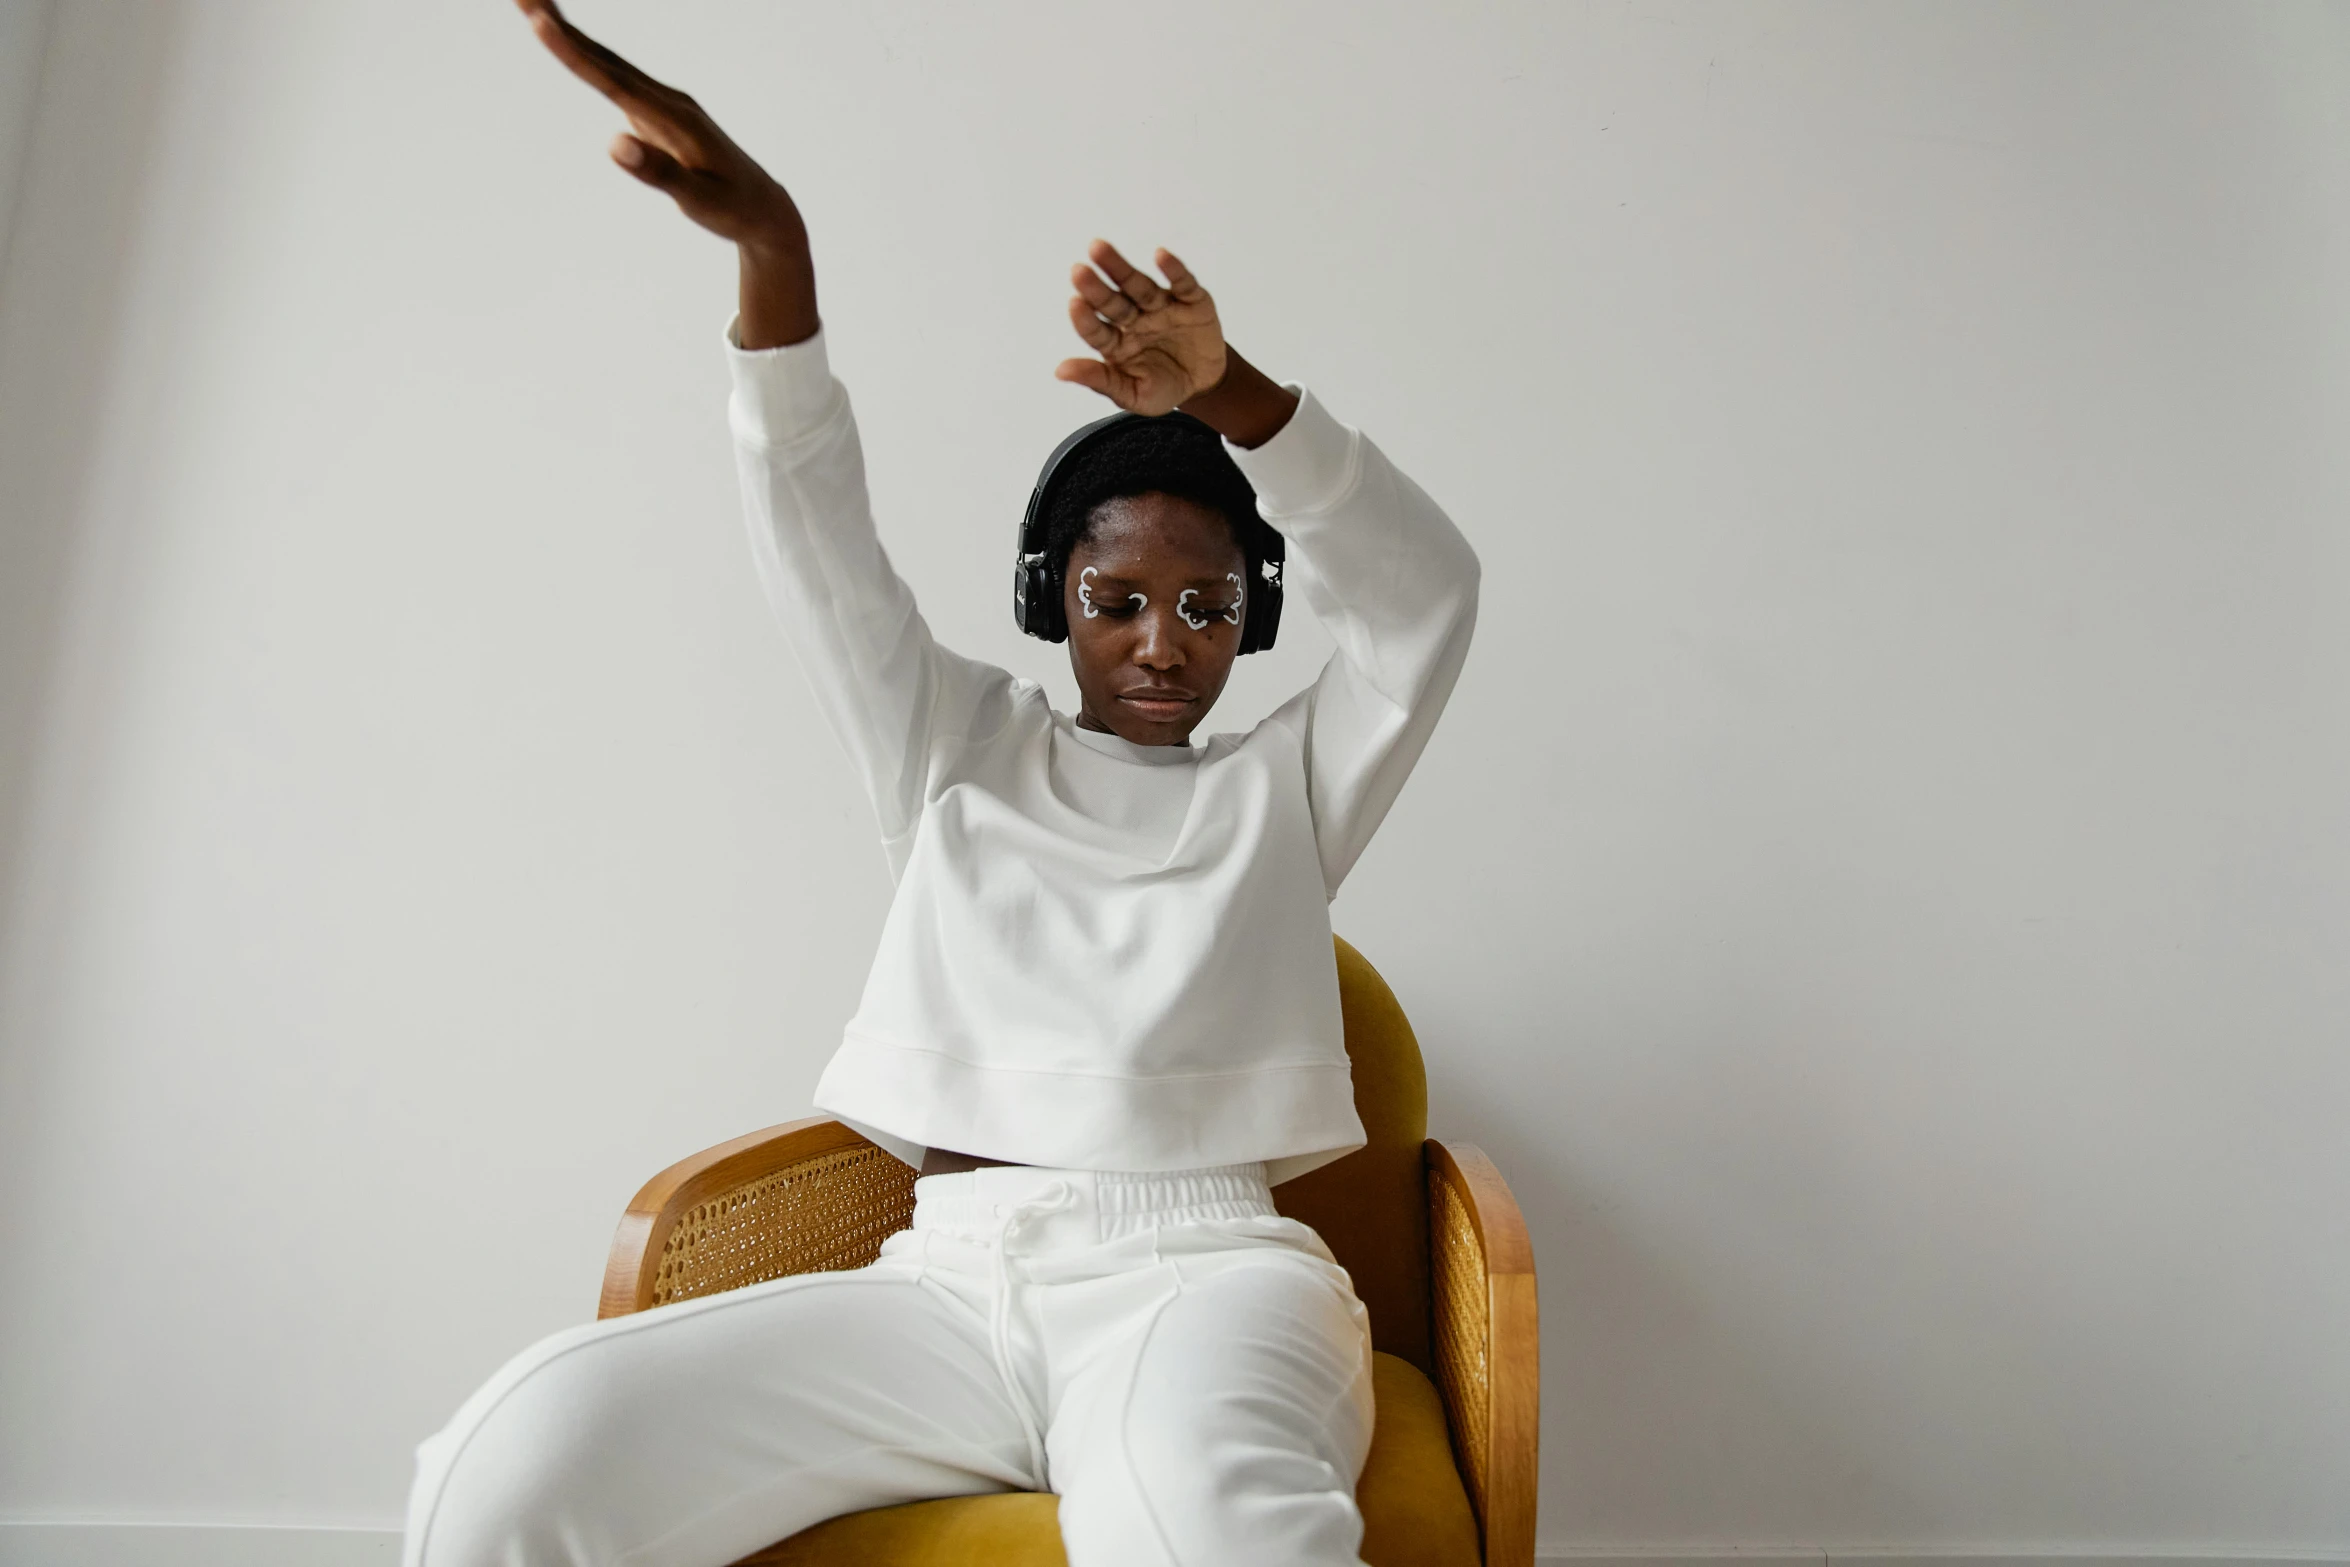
{"points": [[1059, 1195]]}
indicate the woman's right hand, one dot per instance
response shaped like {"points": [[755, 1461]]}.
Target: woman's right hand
{"points": [[673, 146]]}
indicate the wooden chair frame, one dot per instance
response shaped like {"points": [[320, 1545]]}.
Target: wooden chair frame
{"points": [[812, 1194]]}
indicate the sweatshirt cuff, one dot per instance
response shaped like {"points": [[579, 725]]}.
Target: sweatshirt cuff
{"points": [[779, 393], [1308, 466]]}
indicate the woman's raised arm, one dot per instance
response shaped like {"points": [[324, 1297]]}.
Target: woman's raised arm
{"points": [[1380, 564], [884, 685], [673, 146]]}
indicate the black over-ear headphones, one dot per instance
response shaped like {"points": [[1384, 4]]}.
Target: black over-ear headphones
{"points": [[1038, 607]]}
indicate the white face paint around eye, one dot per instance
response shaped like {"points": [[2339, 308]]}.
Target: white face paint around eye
{"points": [[1085, 595], [1200, 620]]}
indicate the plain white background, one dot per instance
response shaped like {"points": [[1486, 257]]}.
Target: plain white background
{"points": [[1881, 892]]}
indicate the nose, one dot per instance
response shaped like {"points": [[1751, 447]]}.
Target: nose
{"points": [[1156, 646]]}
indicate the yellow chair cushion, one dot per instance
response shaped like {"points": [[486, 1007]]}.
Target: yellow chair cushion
{"points": [[1415, 1512]]}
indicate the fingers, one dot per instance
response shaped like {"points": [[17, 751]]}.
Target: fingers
{"points": [[1135, 284], [648, 163], [1098, 334], [661, 115], [594, 64], [569, 45], [1091, 374], [1095, 376], [1120, 291], [1180, 282], [1105, 301]]}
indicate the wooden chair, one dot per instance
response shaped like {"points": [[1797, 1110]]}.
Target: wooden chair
{"points": [[1430, 1235]]}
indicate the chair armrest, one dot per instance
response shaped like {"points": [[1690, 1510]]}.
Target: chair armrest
{"points": [[798, 1198], [1487, 1343]]}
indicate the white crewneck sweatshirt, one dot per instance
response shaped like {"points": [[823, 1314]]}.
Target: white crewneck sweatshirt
{"points": [[1103, 955]]}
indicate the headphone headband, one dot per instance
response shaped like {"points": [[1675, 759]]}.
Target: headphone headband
{"points": [[1038, 605]]}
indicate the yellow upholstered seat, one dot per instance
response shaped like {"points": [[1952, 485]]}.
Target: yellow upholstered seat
{"points": [[1429, 1234], [1415, 1513]]}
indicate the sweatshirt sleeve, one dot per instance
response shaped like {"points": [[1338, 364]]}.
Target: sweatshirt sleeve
{"points": [[1395, 583], [886, 687]]}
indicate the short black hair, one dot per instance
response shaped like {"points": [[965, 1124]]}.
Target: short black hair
{"points": [[1174, 454]]}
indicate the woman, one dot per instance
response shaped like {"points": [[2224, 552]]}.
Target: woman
{"points": [[1103, 1019]]}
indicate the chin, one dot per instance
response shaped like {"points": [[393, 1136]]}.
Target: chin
{"points": [[1143, 729]]}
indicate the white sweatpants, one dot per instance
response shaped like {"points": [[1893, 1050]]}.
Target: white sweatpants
{"points": [[1190, 1371]]}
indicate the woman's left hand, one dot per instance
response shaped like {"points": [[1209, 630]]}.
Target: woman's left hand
{"points": [[1160, 346]]}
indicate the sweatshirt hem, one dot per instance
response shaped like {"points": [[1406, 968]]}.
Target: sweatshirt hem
{"points": [[1287, 1116]]}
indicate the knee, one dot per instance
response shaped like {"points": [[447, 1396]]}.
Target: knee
{"points": [[496, 1484], [1183, 1507], [1239, 1437], [1283, 1495]]}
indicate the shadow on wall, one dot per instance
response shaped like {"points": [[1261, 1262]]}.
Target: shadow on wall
{"points": [[1682, 1355], [62, 298]]}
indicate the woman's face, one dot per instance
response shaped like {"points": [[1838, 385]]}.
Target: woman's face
{"points": [[1154, 598]]}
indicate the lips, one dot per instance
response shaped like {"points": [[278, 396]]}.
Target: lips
{"points": [[1160, 702]]}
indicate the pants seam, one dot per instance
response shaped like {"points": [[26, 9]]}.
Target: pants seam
{"points": [[1126, 1414], [1362, 1370], [638, 1322]]}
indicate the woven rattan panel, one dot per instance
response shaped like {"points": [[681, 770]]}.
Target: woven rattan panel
{"points": [[832, 1211], [1463, 1332]]}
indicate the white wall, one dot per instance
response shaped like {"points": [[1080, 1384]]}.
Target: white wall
{"points": [[24, 28], [1881, 892]]}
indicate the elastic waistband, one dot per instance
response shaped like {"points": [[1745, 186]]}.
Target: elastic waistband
{"points": [[1076, 1206]]}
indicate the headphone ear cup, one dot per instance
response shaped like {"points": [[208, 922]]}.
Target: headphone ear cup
{"points": [[1036, 588], [1262, 620], [1036, 599]]}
